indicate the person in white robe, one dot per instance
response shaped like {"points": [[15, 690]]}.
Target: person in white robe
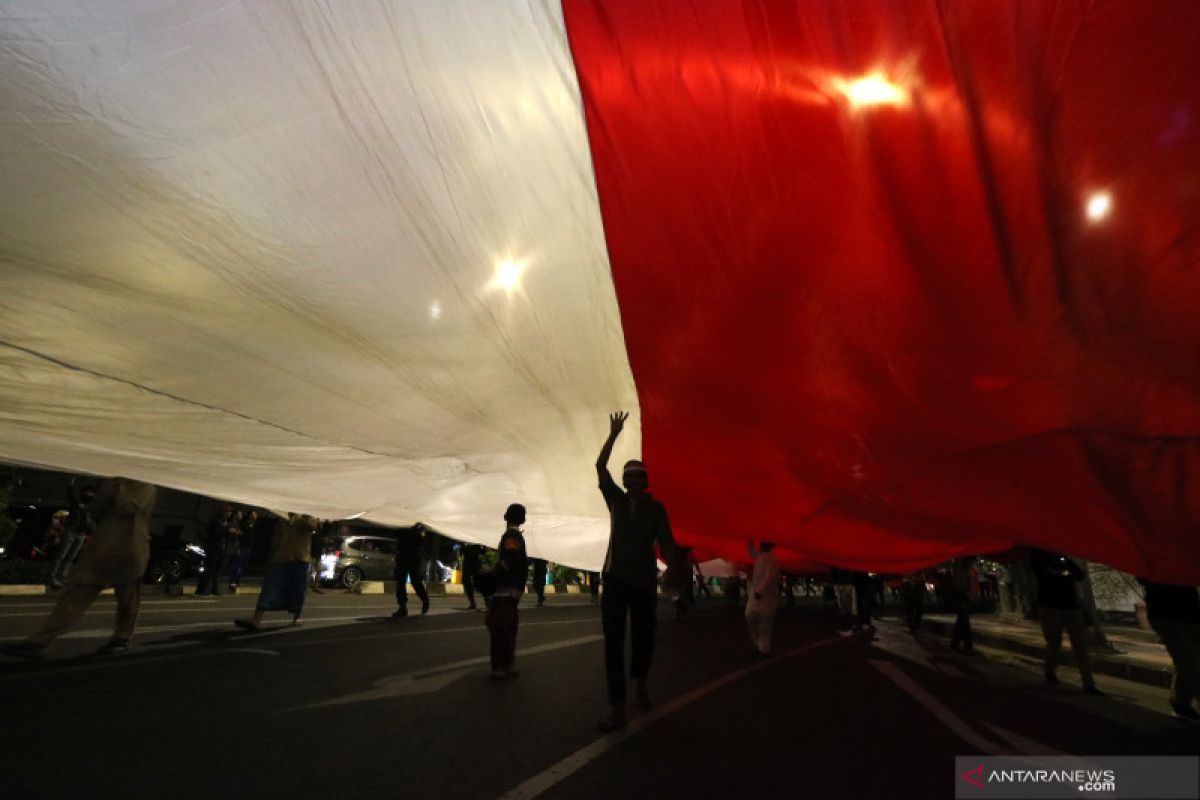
{"points": [[763, 600]]}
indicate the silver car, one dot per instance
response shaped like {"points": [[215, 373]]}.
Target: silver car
{"points": [[346, 560]]}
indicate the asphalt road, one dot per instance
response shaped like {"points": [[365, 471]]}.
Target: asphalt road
{"points": [[354, 704]]}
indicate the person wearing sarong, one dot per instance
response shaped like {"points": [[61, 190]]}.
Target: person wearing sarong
{"points": [[763, 602], [286, 578]]}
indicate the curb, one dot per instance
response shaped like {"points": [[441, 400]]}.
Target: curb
{"points": [[1101, 663], [22, 589], [36, 589]]}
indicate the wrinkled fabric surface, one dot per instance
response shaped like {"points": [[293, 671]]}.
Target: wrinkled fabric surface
{"points": [[398, 260], [867, 311], [249, 249]]}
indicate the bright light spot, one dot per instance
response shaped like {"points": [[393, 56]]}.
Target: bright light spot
{"points": [[1098, 206], [435, 312], [508, 275], [872, 90], [361, 513]]}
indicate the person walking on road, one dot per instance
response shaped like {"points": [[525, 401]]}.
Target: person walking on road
{"points": [[638, 521], [116, 556], [913, 596], [409, 548], [843, 590], [512, 567], [287, 571], [539, 579], [222, 535], [1174, 613], [245, 545], [961, 577], [680, 579], [864, 595], [472, 560], [79, 525], [698, 576], [1058, 608], [763, 601]]}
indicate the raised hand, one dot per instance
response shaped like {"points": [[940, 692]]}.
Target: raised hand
{"points": [[616, 422]]}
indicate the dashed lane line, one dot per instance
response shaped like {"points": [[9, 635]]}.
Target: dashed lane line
{"points": [[939, 709], [152, 656]]}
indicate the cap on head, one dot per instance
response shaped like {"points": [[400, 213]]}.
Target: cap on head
{"points": [[634, 476], [515, 514]]}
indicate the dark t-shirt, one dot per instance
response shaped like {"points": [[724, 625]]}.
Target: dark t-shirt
{"points": [[512, 564], [472, 555], [636, 524], [408, 546], [1169, 603], [1056, 575], [841, 577]]}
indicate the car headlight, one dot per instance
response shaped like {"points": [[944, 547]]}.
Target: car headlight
{"points": [[191, 548]]}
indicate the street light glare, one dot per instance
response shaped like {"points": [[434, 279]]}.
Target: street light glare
{"points": [[873, 90], [508, 275], [1098, 206]]}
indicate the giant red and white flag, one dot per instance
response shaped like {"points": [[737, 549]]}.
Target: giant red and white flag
{"points": [[884, 281]]}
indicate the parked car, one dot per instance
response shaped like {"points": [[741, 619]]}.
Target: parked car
{"points": [[346, 560], [173, 561]]}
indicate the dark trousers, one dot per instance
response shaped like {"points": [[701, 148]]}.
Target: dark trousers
{"points": [[863, 597], [962, 623], [502, 621], [914, 606], [215, 560], [1182, 640], [618, 601], [539, 582], [468, 579], [237, 565], [409, 569]]}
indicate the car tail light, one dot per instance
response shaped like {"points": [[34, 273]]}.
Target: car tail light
{"points": [[337, 553]]}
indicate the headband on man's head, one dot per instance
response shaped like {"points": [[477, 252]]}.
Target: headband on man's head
{"points": [[633, 466]]}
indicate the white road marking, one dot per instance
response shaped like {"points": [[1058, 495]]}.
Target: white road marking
{"points": [[938, 709], [581, 758], [434, 632], [100, 601], [152, 648]]}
